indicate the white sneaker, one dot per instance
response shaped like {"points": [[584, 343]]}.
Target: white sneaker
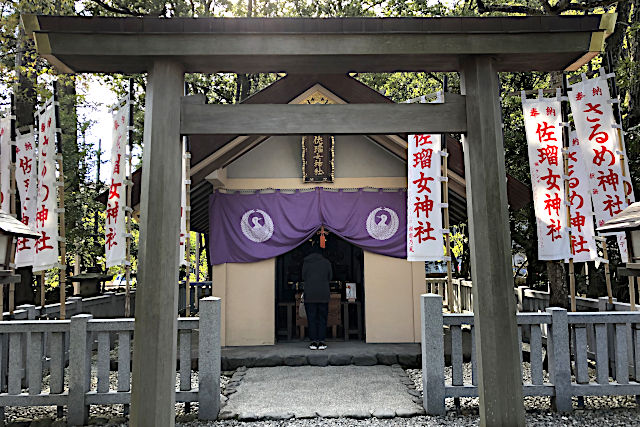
{"points": [[322, 346], [314, 346]]}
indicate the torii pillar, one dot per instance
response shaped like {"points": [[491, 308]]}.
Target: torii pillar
{"points": [[498, 360], [154, 344]]}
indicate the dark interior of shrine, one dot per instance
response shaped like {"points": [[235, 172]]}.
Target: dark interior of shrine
{"points": [[346, 315]]}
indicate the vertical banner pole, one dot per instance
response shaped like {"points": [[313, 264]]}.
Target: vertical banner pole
{"points": [[60, 186], [127, 267], [447, 237], [618, 118], [42, 291], [565, 156], [187, 213], [607, 276], [12, 202], [445, 199], [197, 270]]}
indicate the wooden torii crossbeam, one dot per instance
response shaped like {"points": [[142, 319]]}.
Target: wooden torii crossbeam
{"points": [[478, 48]]}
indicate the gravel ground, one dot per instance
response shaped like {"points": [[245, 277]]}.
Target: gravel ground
{"points": [[598, 411], [99, 414]]}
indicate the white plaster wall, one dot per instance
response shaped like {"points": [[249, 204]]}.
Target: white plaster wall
{"points": [[280, 157]]}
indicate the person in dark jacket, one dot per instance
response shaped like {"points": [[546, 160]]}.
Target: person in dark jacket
{"points": [[316, 274]]}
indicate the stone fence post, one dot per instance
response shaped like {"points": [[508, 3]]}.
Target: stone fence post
{"points": [[80, 369], [603, 306], [559, 350], [520, 291], [209, 359], [74, 305], [432, 354]]}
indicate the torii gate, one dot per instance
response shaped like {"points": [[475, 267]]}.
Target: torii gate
{"points": [[476, 47]]}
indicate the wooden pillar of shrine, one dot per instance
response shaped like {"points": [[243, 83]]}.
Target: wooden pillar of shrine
{"points": [[154, 355], [499, 377]]}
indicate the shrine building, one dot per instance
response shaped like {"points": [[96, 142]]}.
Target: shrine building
{"points": [[260, 290]]}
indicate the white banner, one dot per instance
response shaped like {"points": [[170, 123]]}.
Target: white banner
{"points": [[183, 210], [595, 127], [27, 186], [542, 122], [424, 188], [583, 243], [631, 198], [115, 239], [5, 162], [46, 216]]}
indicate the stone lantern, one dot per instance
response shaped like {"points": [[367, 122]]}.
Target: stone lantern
{"points": [[628, 221]]}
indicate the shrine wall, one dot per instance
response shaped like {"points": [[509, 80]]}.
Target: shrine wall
{"points": [[248, 311], [280, 157], [392, 288]]}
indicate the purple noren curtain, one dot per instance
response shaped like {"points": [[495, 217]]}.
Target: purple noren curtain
{"points": [[253, 227]]}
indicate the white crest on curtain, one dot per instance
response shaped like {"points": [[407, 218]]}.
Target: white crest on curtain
{"points": [[255, 230], [382, 223]]}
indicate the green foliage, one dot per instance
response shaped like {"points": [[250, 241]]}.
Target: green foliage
{"points": [[29, 76]]}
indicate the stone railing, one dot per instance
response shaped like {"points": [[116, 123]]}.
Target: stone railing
{"points": [[31, 350], [528, 300], [462, 291], [106, 306], [567, 334], [198, 290]]}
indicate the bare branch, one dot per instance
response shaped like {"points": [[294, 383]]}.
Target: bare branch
{"points": [[123, 11], [482, 8], [589, 5]]}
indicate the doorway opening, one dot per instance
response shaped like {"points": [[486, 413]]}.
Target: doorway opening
{"points": [[346, 315]]}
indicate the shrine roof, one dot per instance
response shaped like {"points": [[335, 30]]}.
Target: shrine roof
{"points": [[328, 45], [206, 150]]}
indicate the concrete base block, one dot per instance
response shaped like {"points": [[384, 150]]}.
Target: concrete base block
{"points": [[318, 359], [339, 360], [295, 360], [387, 359], [365, 360], [268, 361], [358, 415], [383, 413], [412, 361]]}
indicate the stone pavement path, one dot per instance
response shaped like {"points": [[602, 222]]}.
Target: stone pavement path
{"points": [[312, 391]]}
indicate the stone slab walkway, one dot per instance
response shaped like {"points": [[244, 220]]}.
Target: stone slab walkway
{"points": [[284, 392]]}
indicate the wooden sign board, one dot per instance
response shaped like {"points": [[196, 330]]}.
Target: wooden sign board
{"points": [[317, 158]]}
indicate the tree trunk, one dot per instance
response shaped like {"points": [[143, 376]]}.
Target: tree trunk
{"points": [[25, 105], [634, 56], [558, 293], [72, 157]]}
